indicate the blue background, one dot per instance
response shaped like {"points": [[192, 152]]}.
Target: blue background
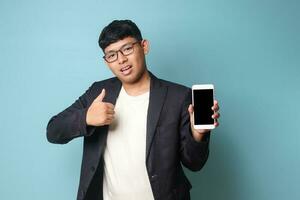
{"points": [[248, 48]]}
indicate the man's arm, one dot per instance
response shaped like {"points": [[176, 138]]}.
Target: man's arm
{"points": [[81, 118], [194, 154], [71, 122]]}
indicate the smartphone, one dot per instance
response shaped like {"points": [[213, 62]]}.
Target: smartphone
{"points": [[203, 100]]}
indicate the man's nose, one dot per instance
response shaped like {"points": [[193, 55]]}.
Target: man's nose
{"points": [[121, 57]]}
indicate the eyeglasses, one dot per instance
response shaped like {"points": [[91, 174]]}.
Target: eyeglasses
{"points": [[125, 50]]}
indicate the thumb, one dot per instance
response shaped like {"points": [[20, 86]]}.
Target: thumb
{"points": [[101, 96], [191, 109], [191, 112]]}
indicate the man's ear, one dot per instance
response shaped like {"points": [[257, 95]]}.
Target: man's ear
{"points": [[145, 46]]}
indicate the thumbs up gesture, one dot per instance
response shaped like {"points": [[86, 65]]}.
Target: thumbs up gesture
{"points": [[100, 113]]}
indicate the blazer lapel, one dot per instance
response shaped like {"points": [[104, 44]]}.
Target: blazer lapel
{"points": [[112, 92], [157, 97]]}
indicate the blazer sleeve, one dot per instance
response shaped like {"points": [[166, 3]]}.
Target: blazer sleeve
{"points": [[193, 154], [71, 122]]}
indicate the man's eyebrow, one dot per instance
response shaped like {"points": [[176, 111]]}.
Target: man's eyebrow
{"points": [[112, 51]]}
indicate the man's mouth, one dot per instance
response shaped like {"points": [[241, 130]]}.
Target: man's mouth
{"points": [[126, 69]]}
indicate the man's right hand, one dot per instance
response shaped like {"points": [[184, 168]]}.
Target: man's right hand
{"points": [[100, 113]]}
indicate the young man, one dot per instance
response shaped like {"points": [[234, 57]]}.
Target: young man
{"points": [[137, 129]]}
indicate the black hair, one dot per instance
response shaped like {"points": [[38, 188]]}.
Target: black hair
{"points": [[118, 30]]}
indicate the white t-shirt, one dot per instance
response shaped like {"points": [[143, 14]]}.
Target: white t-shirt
{"points": [[125, 174]]}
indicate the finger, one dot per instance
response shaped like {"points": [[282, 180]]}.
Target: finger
{"points": [[101, 96], [215, 107], [216, 123], [110, 111], [110, 106], [191, 109], [110, 117], [216, 115], [191, 112], [108, 121]]}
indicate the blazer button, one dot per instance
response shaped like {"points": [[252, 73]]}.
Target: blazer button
{"points": [[93, 168], [153, 177]]}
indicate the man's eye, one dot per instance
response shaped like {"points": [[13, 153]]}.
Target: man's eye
{"points": [[110, 56], [126, 49]]}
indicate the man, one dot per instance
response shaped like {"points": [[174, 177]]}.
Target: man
{"points": [[137, 128]]}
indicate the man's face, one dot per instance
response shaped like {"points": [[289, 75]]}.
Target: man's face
{"points": [[128, 68]]}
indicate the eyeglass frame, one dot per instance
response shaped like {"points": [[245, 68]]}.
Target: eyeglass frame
{"points": [[120, 50]]}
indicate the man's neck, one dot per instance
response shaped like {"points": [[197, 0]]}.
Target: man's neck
{"points": [[139, 87]]}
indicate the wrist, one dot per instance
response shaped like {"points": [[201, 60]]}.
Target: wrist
{"points": [[200, 135]]}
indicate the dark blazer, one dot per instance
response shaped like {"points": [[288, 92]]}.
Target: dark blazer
{"points": [[169, 139]]}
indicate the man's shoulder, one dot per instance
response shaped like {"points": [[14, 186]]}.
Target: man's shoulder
{"points": [[174, 86], [176, 92], [97, 86], [105, 82]]}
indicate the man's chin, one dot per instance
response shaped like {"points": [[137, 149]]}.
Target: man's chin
{"points": [[131, 78], [127, 79]]}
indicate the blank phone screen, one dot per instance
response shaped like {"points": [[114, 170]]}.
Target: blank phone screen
{"points": [[203, 101]]}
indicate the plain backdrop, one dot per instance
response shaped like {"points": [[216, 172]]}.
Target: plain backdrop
{"points": [[248, 48]]}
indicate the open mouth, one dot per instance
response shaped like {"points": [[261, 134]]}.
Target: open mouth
{"points": [[125, 68]]}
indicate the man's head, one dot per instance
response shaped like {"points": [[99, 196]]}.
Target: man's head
{"points": [[118, 30], [124, 50]]}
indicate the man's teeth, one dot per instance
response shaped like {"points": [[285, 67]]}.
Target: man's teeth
{"points": [[125, 68]]}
